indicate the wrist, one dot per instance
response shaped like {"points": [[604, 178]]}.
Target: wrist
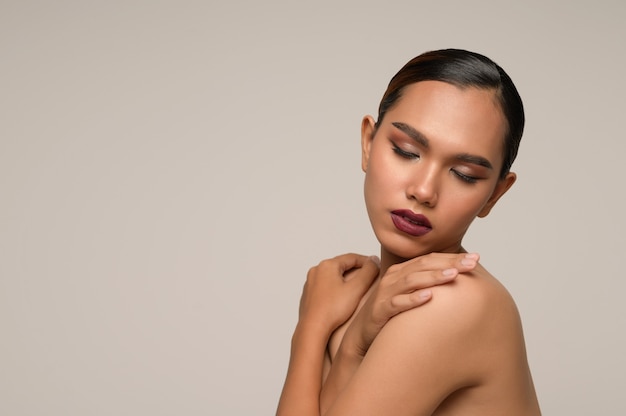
{"points": [[313, 329]]}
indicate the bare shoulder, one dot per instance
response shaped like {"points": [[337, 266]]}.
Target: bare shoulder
{"points": [[472, 320], [477, 301], [475, 321], [463, 351]]}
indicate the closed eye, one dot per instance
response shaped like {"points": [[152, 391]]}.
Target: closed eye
{"points": [[464, 177], [404, 154]]}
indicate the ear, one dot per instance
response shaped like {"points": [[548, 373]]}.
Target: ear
{"points": [[368, 128], [502, 186]]}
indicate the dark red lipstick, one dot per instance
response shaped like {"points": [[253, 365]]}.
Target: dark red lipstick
{"points": [[411, 223]]}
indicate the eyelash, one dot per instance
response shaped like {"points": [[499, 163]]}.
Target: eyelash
{"points": [[408, 155], [464, 177], [403, 154]]}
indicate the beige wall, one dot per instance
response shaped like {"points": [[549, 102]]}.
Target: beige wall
{"points": [[170, 170]]}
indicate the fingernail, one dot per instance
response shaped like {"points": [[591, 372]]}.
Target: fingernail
{"points": [[449, 272], [375, 259], [468, 262], [424, 294], [473, 256]]}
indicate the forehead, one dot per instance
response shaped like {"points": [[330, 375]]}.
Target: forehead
{"points": [[467, 119]]}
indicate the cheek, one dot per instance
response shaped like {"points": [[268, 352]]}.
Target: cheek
{"points": [[379, 186], [381, 179], [371, 190], [383, 168], [466, 205], [454, 221]]}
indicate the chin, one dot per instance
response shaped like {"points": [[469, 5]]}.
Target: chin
{"points": [[405, 255], [405, 250]]}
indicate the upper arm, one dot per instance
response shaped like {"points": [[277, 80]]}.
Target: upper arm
{"points": [[419, 358]]}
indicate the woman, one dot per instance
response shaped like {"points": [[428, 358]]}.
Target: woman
{"points": [[439, 155]]}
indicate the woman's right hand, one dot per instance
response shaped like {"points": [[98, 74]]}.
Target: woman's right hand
{"points": [[404, 286]]}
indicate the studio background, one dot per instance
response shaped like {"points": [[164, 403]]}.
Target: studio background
{"points": [[169, 170]]}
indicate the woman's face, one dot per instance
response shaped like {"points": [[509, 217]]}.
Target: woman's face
{"points": [[432, 166]]}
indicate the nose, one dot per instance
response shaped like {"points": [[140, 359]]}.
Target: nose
{"points": [[423, 186]]}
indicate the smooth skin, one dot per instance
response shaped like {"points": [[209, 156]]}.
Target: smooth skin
{"points": [[400, 289], [463, 351], [334, 292]]}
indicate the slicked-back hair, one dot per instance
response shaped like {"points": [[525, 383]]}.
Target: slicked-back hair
{"points": [[463, 69]]}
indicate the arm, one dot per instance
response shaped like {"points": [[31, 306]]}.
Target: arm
{"points": [[329, 298], [421, 357], [403, 287]]}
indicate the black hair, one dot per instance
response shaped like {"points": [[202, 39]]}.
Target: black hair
{"points": [[463, 69]]}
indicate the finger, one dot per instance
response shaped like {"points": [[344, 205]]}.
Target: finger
{"points": [[422, 280], [349, 261], [432, 261], [339, 265], [440, 261], [404, 302], [365, 274], [348, 264], [468, 262]]}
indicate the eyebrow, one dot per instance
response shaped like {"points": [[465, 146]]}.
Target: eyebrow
{"points": [[422, 140], [412, 133]]}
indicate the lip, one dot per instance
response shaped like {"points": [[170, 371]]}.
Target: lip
{"points": [[411, 223]]}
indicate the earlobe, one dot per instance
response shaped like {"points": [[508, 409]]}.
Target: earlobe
{"points": [[368, 128], [502, 186]]}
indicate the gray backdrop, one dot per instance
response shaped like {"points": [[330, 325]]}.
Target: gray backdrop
{"points": [[169, 170]]}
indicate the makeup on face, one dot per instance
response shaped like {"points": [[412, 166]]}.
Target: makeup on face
{"points": [[431, 167], [411, 223]]}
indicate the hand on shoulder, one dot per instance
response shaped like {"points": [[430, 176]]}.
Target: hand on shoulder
{"points": [[437, 349]]}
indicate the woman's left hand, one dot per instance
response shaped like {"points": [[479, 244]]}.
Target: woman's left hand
{"points": [[334, 288], [330, 296]]}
